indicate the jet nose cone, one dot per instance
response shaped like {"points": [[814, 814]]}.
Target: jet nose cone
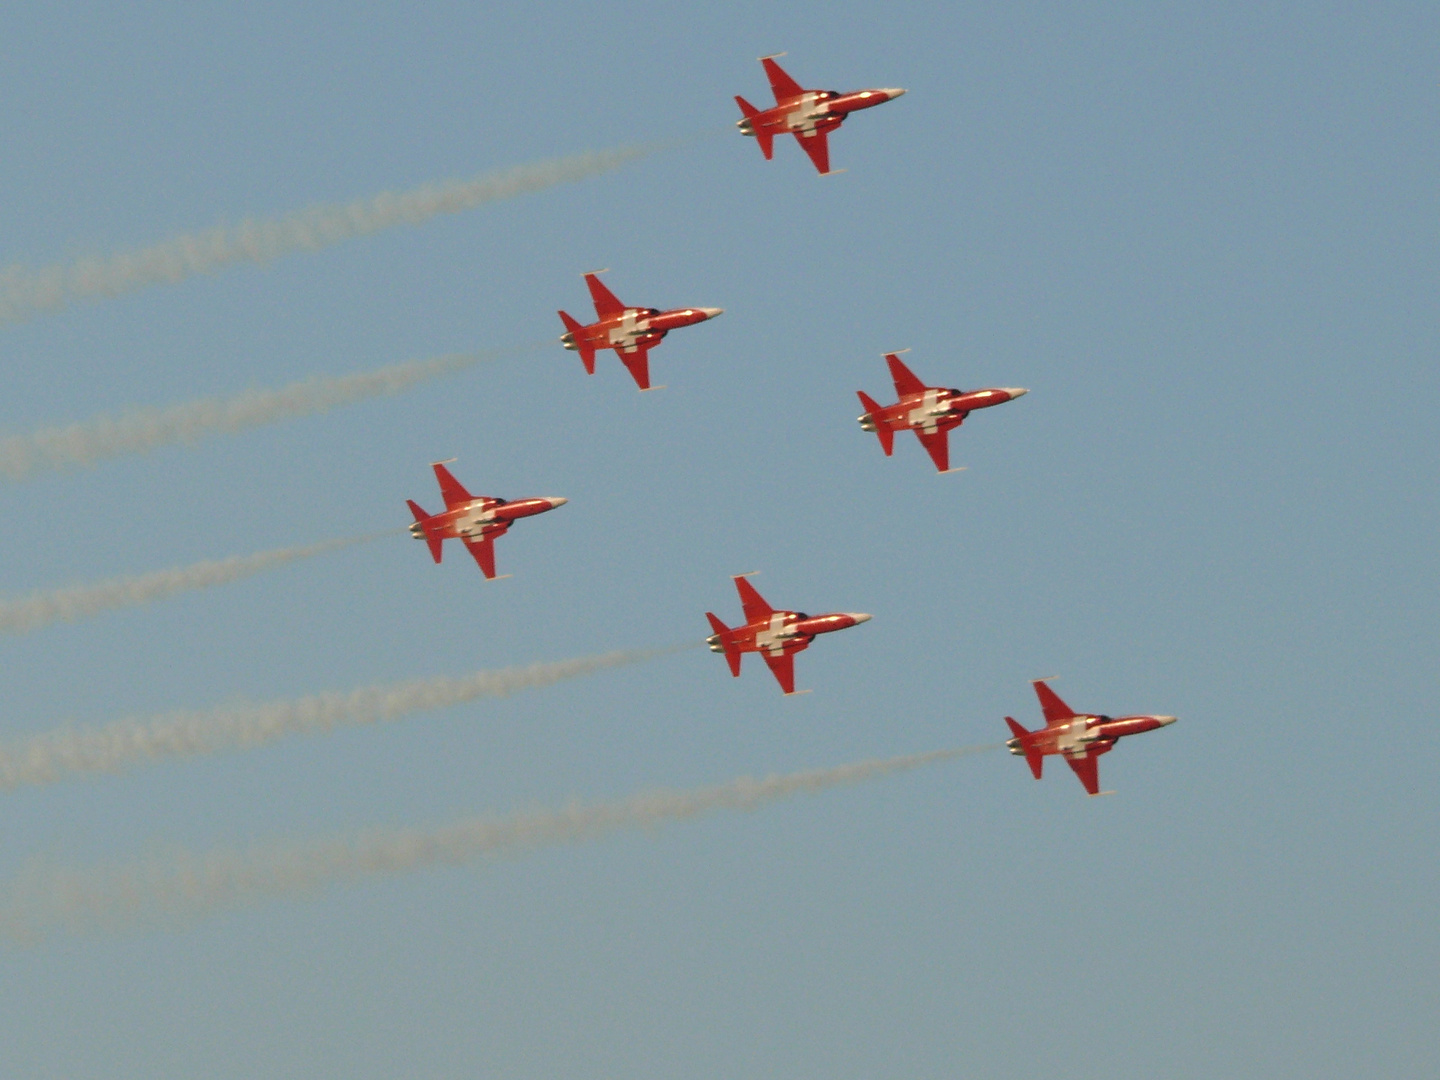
{"points": [[1166, 721], [892, 92], [1015, 391], [858, 616], [711, 312], [556, 500]]}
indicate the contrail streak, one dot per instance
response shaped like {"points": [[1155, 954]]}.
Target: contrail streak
{"points": [[25, 292], [134, 432], [71, 752], [26, 613], [188, 885]]}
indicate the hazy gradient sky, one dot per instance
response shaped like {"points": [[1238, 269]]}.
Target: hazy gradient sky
{"points": [[1205, 237]]}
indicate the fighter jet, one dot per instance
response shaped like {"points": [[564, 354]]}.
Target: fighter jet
{"points": [[775, 635], [631, 331], [809, 115], [1081, 737], [477, 522], [929, 411]]}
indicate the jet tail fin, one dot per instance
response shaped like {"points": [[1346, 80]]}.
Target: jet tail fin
{"points": [[1033, 758], [423, 520], [766, 139], [572, 331], [726, 642], [886, 436]]}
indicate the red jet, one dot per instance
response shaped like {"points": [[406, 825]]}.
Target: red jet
{"points": [[476, 522], [929, 411], [775, 635], [1081, 737], [809, 115], [631, 331]]}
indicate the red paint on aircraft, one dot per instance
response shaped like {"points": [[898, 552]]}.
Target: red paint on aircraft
{"points": [[475, 521], [809, 115], [777, 635], [631, 331], [1080, 737], [929, 411]]}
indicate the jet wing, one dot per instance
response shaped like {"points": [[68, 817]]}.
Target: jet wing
{"points": [[755, 606], [638, 361], [783, 667], [784, 87], [904, 378], [451, 490], [606, 302], [1055, 710], [484, 551], [937, 445], [1087, 768], [816, 145]]}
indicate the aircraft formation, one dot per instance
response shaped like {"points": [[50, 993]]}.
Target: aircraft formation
{"points": [[931, 412]]}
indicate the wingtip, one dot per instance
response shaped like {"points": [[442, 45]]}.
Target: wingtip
{"points": [[447, 461], [592, 273], [772, 56]]}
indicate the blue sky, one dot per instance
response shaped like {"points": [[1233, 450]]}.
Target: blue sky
{"points": [[1204, 237]]}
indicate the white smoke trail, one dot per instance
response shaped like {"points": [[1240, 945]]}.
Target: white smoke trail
{"points": [[135, 432], [193, 885], [25, 292], [70, 752], [26, 613]]}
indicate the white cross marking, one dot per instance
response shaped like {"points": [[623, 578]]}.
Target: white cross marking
{"points": [[805, 115], [921, 416], [1072, 739], [631, 327], [772, 639]]}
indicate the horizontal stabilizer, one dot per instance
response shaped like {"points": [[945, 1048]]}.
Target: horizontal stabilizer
{"points": [[882, 430], [726, 642], [1033, 757], [574, 333], [766, 139], [423, 520]]}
